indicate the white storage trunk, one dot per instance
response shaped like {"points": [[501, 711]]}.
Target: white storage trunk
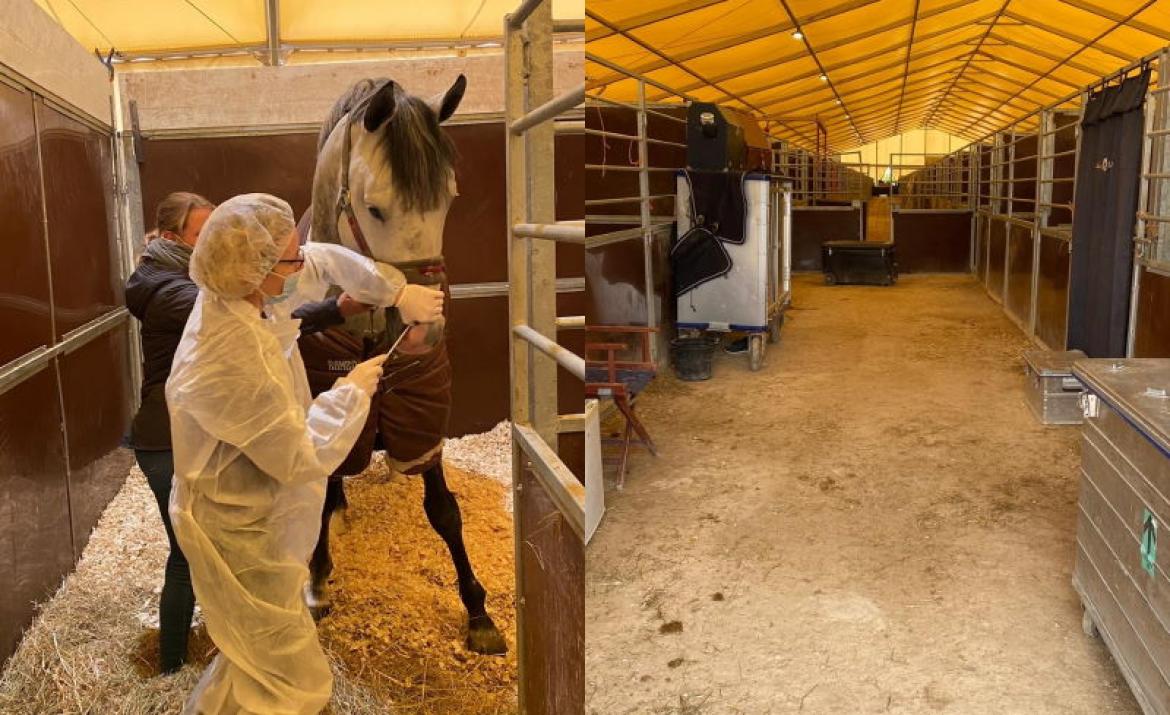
{"points": [[752, 295]]}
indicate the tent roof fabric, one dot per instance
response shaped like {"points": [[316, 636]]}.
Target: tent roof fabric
{"points": [[168, 27], [869, 69]]}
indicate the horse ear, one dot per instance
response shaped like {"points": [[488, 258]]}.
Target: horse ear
{"points": [[446, 103], [380, 107]]}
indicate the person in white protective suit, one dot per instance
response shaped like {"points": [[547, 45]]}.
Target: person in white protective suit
{"points": [[253, 449]]}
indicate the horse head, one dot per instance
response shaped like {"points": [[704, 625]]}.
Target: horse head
{"points": [[385, 174]]}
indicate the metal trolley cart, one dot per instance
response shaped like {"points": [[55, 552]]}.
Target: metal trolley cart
{"points": [[727, 280]]}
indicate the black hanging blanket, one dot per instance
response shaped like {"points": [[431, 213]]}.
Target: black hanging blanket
{"points": [[1108, 181], [717, 213]]}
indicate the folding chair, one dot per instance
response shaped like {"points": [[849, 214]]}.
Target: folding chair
{"points": [[621, 381]]}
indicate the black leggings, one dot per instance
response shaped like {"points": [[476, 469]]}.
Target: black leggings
{"points": [[177, 603]]}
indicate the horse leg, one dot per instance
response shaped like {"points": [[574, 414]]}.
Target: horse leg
{"points": [[321, 565], [443, 512]]}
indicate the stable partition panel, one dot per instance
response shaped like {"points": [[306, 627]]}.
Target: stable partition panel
{"points": [[616, 290], [1152, 328], [1023, 167], [474, 240], [1052, 289], [95, 390], [1018, 295], [79, 194], [24, 273], [995, 280], [982, 225], [36, 542], [552, 559], [813, 225], [933, 240]]}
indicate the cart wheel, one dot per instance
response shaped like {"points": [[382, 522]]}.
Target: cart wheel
{"points": [[1088, 626], [774, 328], [830, 279], [756, 352]]}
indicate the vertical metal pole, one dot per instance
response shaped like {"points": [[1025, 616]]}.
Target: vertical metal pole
{"points": [[1045, 146], [648, 253], [1153, 108], [520, 352]]}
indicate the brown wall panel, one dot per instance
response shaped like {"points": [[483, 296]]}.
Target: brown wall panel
{"points": [[1019, 288], [95, 389], [1152, 333], [222, 167], [36, 547], [1063, 167], [812, 228], [478, 341], [78, 192], [1052, 291], [24, 273], [933, 243], [997, 248]]}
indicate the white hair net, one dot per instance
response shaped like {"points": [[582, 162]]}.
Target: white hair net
{"points": [[240, 243]]}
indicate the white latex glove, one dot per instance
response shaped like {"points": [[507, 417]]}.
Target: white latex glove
{"points": [[419, 304], [365, 375]]}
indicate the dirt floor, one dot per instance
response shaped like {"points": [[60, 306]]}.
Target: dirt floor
{"points": [[395, 635], [874, 522]]}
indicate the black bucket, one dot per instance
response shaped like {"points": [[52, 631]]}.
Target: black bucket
{"points": [[692, 357]]}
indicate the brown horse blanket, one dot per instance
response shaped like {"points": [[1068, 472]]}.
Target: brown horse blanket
{"points": [[409, 413]]}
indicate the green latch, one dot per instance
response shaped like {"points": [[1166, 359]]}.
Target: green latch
{"points": [[1149, 541]]}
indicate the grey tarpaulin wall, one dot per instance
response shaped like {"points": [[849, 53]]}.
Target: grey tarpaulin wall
{"points": [[1106, 199]]}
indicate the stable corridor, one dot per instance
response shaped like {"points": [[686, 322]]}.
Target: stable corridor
{"points": [[873, 522]]}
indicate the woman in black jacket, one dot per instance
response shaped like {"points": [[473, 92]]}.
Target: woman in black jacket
{"points": [[161, 294]]}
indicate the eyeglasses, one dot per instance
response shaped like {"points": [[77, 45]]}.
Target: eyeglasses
{"points": [[299, 261]]}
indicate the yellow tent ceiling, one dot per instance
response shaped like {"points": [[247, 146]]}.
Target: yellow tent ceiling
{"points": [[868, 69], [137, 28]]}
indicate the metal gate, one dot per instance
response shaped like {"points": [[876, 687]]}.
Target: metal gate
{"points": [[549, 500]]}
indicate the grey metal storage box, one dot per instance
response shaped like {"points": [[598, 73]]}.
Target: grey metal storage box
{"points": [[1120, 571], [1051, 390]]}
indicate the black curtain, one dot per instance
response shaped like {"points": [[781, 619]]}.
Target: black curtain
{"points": [[1108, 180]]}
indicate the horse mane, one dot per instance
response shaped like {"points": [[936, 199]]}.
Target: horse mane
{"points": [[420, 154]]}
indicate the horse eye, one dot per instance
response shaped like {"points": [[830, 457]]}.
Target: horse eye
{"points": [[377, 213]]}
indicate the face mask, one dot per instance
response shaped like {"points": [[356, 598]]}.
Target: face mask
{"points": [[290, 287]]}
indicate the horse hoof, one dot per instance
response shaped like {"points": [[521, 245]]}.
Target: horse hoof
{"points": [[484, 638], [318, 602]]}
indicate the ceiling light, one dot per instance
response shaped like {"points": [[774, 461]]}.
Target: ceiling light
{"points": [[824, 78], [797, 35]]}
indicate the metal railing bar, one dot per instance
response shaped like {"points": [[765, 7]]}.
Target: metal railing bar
{"points": [[566, 358], [549, 109], [565, 231]]}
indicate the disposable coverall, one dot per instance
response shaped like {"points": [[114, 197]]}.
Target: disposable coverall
{"points": [[252, 453]]}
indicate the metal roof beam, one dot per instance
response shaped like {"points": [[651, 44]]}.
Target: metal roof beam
{"points": [[1092, 71], [1059, 32], [649, 18], [1030, 70], [272, 56], [1159, 32], [906, 71], [978, 46], [865, 35], [1082, 48]]}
